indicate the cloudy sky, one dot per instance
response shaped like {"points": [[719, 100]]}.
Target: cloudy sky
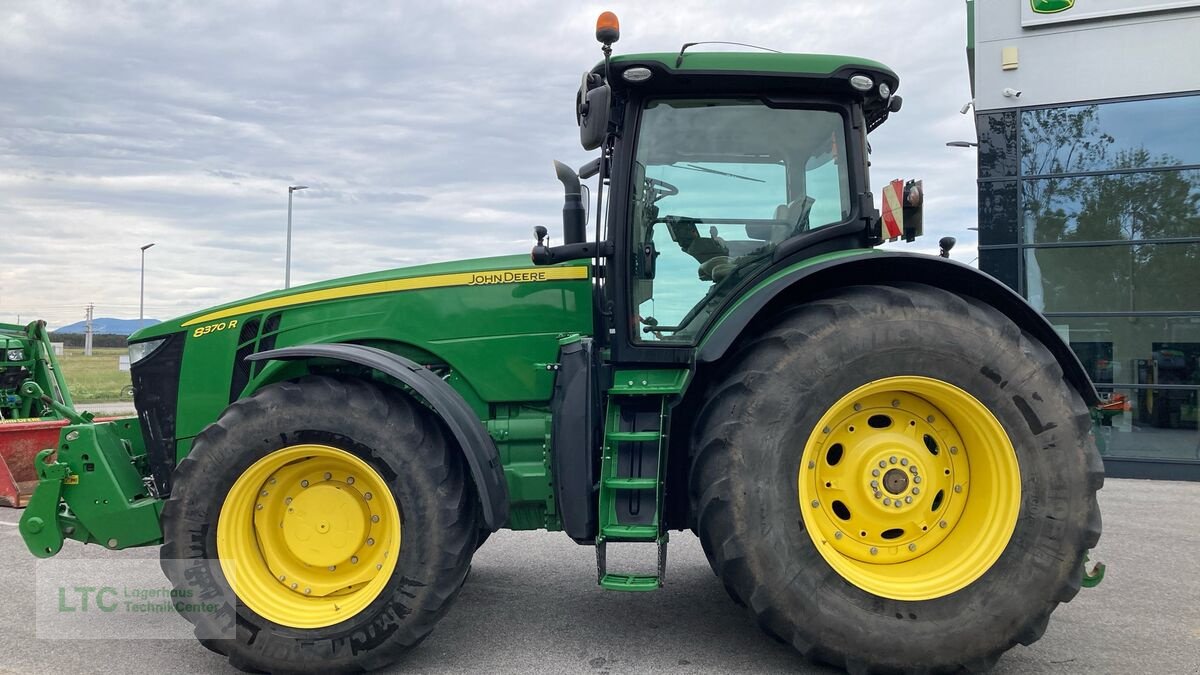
{"points": [[424, 130]]}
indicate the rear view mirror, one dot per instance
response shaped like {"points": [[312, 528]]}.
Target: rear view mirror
{"points": [[914, 209], [591, 111]]}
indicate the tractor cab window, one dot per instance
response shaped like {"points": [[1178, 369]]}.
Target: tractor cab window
{"points": [[717, 186]]}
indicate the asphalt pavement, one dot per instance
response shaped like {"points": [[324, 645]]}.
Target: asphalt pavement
{"points": [[532, 605]]}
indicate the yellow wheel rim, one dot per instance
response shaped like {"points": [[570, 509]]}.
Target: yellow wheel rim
{"points": [[308, 536], [909, 488]]}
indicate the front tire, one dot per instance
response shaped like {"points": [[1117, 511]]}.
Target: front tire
{"points": [[330, 521], [989, 475]]}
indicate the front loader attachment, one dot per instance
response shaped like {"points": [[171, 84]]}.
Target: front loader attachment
{"points": [[92, 487]]}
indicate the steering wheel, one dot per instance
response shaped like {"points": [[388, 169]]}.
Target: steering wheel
{"points": [[659, 189]]}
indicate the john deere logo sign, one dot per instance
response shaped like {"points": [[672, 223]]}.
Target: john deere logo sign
{"points": [[1051, 6]]}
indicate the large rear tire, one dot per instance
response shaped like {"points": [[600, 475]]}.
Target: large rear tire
{"points": [[896, 478], [329, 520]]}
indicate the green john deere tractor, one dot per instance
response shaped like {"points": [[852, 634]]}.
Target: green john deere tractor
{"points": [[887, 457]]}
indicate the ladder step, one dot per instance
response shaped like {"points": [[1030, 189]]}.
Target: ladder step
{"points": [[628, 532], [632, 436], [630, 582], [631, 483]]}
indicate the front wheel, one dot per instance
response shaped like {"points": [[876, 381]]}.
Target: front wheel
{"points": [[897, 479], [330, 519]]}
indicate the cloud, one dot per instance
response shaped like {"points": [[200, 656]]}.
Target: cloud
{"points": [[424, 132]]}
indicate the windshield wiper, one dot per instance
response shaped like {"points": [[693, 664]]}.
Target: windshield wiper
{"points": [[693, 167]]}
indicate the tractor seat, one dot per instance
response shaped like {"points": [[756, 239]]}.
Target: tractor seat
{"points": [[792, 217]]}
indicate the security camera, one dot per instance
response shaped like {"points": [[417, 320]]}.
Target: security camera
{"points": [[1009, 92], [966, 106]]}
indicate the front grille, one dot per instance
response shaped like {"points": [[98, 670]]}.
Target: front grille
{"points": [[252, 341], [156, 394], [241, 367]]}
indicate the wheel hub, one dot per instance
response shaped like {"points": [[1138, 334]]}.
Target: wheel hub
{"points": [[885, 481], [312, 534], [895, 481]]}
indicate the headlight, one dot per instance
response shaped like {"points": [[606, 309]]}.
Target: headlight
{"points": [[140, 350], [16, 355]]}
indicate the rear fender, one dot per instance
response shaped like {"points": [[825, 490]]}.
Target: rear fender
{"points": [[801, 282]]}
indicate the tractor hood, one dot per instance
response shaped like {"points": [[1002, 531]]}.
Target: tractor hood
{"points": [[478, 271]]}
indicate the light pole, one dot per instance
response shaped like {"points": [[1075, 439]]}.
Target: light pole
{"points": [[287, 263], [142, 295]]}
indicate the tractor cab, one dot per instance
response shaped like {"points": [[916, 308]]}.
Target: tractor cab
{"points": [[722, 167]]}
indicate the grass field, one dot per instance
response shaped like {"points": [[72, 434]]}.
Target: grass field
{"points": [[94, 378]]}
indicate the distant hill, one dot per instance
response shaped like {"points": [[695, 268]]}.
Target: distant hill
{"points": [[108, 326]]}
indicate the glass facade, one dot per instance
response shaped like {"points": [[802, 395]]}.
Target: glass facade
{"points": [[1092, 212]]}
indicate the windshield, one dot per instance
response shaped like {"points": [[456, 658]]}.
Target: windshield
{"points": [[717, 186]]}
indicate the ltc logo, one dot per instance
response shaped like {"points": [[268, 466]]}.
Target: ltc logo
{"points": [[1051, 6]]}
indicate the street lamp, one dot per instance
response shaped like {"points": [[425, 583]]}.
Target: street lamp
{"points": [[962, 144], [287, 264], [142, 294]]}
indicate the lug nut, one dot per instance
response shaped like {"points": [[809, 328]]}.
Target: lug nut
{"points": [[825, 430], [875, 472], [303, 483], [379, 566], [874, 550], [837, 535], [882, 464], [887, 501], [857, 407], [903, 461], [908, 500], [958, 488], [897, 503], [353, 560], [942, 524], [258, 507], [929, 419], [895, 403], [812, 465], [374, 519], [263, 493], [892, 459], [912, 547], [349, 480], [294, 585], [815, 503], [878, 494], [874, 483], [328, 475], [913, 468], [307, 591], [332, 568], [367, 496], [272, 481], [916, 491], [953, 450], [916, 479], [288, 500], [282, 577], [370, 542]]}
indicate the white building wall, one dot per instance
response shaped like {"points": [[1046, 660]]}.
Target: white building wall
{"points": [[1129, 52]]}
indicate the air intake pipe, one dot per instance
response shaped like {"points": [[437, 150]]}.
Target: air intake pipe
{"points": [[574, 216]]}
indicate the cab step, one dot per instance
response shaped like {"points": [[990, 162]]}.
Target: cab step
{"points": [[615, 581]]}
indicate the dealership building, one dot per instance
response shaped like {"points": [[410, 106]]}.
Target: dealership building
{"points": [[1088, 119]]}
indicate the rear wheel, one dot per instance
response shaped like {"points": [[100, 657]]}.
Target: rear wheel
{"points": [[330, 518], [897, 479]]}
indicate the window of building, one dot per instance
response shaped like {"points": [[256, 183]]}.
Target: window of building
{"points": [[1093, 213]]}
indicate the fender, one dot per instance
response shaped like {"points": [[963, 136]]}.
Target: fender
{"points": [[800, 282], [477, 445]]}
